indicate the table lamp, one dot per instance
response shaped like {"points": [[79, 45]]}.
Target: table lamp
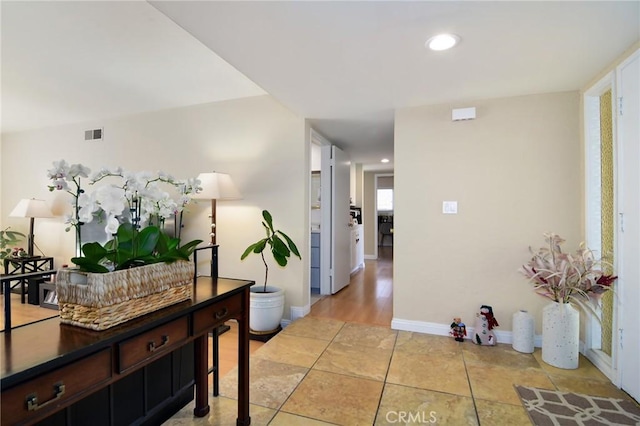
{"points": [[31, 208], [216, 186]]}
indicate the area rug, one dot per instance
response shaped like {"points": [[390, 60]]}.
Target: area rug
{"points": [[547, 407]]}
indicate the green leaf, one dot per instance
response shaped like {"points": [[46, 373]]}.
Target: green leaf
{"points": [[163, 243], [282, 260], [280, 247], [87, 265], [146, 240], [189, 248], [292, 245], [256, 247], [260, 245], [125, 233], [267, 218], [94, 252]]}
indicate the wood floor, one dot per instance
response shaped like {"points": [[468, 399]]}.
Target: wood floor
{"points": [[368, 299]]}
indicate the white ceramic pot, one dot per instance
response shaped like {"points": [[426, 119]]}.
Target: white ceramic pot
{"points": [[560, 335], [266, 308]]}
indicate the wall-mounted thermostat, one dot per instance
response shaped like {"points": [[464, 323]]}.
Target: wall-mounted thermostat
{"points": [[450, 207]]}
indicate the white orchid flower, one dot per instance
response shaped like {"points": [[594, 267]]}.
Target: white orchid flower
{"points": [[112, 225], [79, 170], [60, 184], [60, 170], [111, 200]]}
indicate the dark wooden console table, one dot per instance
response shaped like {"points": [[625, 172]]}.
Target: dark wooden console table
{"points": [[69, 375]]}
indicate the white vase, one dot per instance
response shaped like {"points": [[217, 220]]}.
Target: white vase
{"points": [[523, 332], [266, 308], [560, 335]]}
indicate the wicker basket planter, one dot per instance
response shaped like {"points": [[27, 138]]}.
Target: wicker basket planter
{"points": [[107, 300]]}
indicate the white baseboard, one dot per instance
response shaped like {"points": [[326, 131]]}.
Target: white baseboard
{"points": [[370, 257], [296, 312], [443, 330], [602, 362]]}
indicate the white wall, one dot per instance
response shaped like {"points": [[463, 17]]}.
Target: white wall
{"points": [[256, 140], [515, 172]]}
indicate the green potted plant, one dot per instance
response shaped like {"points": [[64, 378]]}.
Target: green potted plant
{"points": [[140, 269], [9, 239], [267, 302]]}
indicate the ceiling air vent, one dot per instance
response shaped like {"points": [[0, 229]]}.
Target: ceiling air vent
{"points": [[94, 135]]}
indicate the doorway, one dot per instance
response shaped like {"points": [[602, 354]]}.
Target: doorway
{"points": [[384, 197], [611, 108]]}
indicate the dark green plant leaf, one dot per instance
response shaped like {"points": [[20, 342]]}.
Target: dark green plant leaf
{"points": [[94, 252], [146, 240], [281, 260], [87, 265], [267, 218], [188, 248], [125, 233], [292, 245], [260, 245], [279, 247]]}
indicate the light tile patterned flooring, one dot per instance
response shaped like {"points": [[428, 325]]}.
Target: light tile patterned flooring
{"points": [[325, 371]]}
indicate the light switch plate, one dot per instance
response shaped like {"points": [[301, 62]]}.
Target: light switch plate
{"points": [[450, 207]]}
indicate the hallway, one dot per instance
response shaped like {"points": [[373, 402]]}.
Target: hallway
{"points": [[368, 299]]}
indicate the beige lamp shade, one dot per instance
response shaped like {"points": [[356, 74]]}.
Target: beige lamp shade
{"points": [[30, 207], [217, 186]]}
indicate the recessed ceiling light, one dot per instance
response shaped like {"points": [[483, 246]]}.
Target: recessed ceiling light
{"points": [[384, 160], [442, 41]]}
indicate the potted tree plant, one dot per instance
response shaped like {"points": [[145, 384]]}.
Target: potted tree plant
{"points": [[267, 302]]}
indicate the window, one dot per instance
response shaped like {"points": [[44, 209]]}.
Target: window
{"points": [[385, 200]]}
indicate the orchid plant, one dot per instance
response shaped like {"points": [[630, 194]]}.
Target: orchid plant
{"points": [[127, 208], [565, 277]]}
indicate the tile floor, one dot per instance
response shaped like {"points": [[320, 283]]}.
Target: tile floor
{"points": [[323, 371]]}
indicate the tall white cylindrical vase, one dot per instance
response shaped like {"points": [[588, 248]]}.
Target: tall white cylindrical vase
{"points": [[560, 335], [523, 332]]}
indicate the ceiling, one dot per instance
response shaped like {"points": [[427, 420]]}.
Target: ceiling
{"points": [[345, 65]]}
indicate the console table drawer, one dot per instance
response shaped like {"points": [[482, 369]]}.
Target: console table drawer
{"points": [[48, 392], [216, 314], [148, 345]]}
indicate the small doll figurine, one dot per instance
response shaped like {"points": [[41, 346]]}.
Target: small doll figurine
{"points": [[485, 322], [458, 330]]}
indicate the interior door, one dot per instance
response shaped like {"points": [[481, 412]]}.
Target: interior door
{"points": [[336, 237], [628, 287]]}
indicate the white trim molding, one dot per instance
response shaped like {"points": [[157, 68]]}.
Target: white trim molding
{"points": [[443, 330], [296, 312]]}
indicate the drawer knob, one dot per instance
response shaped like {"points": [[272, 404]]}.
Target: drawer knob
{"points": [[153, 347], [32, 400], [222, 313]]}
